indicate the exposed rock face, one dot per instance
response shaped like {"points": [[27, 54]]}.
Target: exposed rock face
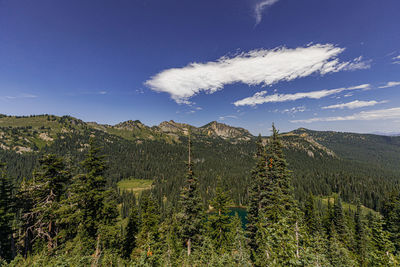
{"points": [[175, 127], [225, 131], [212, 129], [131, 125]]}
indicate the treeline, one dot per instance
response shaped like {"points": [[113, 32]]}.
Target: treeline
{"points": [[68, 216]]}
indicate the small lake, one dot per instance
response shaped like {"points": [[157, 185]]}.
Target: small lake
{"points": [[242, 212]]}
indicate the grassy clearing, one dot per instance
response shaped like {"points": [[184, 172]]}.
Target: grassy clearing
{"points": [[135, 185], [347, 206]]}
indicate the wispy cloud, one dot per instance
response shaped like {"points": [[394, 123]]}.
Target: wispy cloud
{"points": [[265, 67], [396, 60], [293, 110], [261, 97], [221, 118], [381, 114], [390, 84], [22, 95], [355, 104], [260, 7]]}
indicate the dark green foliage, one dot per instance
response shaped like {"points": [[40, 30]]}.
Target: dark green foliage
{"points": [[391, 212], [338, 219], [40, 199], [380, 248], [359, 237], [311, 218], [93, 204], [241, 252], [219, 226], [191, 215], [278, 232], [7, 214], [258, 174], [58, 224], [148, 241]]}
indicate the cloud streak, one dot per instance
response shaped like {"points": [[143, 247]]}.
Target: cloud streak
{"points": [[257, 67], [355, 104], [396, 60], [260, 7], [390, 84], [22, 95], [221, 118], [262, 98], [381, 114]]}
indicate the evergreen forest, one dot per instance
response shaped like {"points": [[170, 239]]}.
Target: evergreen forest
{"points": [[68, 204]]}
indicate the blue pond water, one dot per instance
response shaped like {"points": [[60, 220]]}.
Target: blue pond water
{"points": [[242, 212]]}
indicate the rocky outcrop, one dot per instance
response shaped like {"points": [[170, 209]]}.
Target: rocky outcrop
{"points": [[175, 127], [226, 132], [131, 125]]}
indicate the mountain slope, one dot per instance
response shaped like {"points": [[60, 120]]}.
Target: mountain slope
{"points": [[359, 165]]}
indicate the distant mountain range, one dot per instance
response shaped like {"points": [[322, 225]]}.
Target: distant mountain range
{"points": [[24, 134], [321, 161]]}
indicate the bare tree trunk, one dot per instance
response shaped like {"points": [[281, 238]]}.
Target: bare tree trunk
{"points": [[189, 249], [297, 240], [97, 254]]}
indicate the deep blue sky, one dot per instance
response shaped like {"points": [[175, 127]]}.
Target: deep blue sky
{"points": [[91, 60]]}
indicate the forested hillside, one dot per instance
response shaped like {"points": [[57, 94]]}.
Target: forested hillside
{"points": [[71, 214], [354, 165]]}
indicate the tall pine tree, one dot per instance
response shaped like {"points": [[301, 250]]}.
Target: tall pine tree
{"points": [[258, 174], [191, 214], [219, 222], [44, 194], [93, 205], [278, 236]]}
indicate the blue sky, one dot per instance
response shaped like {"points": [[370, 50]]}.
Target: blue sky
{"points": [[324, 65]]}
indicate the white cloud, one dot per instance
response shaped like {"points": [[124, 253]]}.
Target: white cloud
{"points": [[261, 97], [260, 7], [381, 114], [265, 67], [22, 95], [355, 104], [396, 60], [294, 110], [221, 118], [390, 84]]}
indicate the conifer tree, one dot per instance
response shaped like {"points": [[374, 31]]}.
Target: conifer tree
{"points": [[149, 237], [6, 214], [240, 251], [338, 254], [44, 193], [310, 217], [338, 219], [276, 193], [257, 175], [360, 238], [131, 231], [278, 228], [219, 222], [391, 213], [172, 246], [93, 204], [191, 215], [381, 248], [25, 223]]}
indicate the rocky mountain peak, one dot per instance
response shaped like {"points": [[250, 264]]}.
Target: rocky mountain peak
{"points": [[130, 125], [225, 131]]}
